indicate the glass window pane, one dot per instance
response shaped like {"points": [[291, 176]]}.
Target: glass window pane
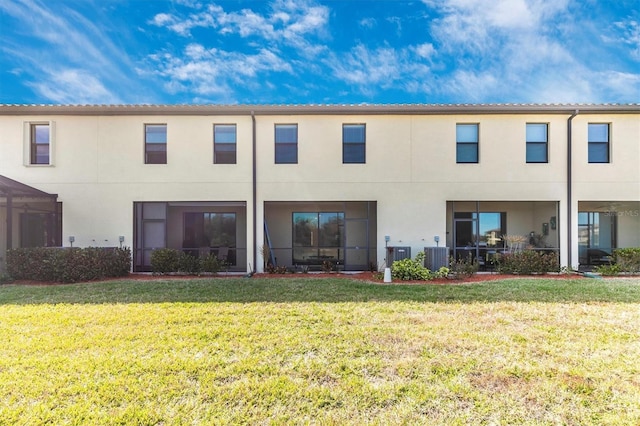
{"points": [[466, 153], [467, 133], [156, 133], [353, 153], [305, 229], [536, 153], [353, 133], [598, 132], [223, 157], [42, 154], [41, 133], [286, 154], [286, 133], [536, 132], [331, 230], [491, 229], [224, 133], [598, 153], [156, 158]]}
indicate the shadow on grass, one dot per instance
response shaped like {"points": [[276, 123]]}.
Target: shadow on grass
{"points": [[329, 290]]}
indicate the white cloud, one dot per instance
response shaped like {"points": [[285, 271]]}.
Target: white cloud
{"points": [[213, 71], [367, 23], [73, 86], [86, 59], [425, 50], [288, 20], [380, 68], [629, 35], [515, 49]]}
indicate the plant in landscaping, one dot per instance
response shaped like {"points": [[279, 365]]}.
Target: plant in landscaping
{"points": [[411, 269], [68, 265], [164, 261], [628, 259], [210, 263], [272, 269], [608, 270], [328, 266], [188, 264], [443, 272], [463, 267], [527, 262]]}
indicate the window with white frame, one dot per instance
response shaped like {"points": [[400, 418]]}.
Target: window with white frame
{"points": [[38, 143], [537, 143]]}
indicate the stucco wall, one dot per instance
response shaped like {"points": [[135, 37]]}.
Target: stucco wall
{"points": [[410, 169]]}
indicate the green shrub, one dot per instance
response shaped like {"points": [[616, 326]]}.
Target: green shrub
{"points": [[188, 264], [164, 261], [272, 269], [608, 270], [527, 262], [411, 269], [210, 263], [628, 259], [462, 268], [68, 265]]}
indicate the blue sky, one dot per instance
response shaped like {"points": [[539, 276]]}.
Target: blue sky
{"points": [[319, 52]]}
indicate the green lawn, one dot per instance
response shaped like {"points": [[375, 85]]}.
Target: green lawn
{"points": [[321, 351]]}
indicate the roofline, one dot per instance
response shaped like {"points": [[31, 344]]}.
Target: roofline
{"points": [[316, 109]]}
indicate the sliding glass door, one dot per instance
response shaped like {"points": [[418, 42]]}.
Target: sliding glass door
{"points": [[318, 237]]}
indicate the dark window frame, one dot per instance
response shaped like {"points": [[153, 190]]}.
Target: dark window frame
{"points": [[225, 156], [354, 151], [536, 143], [155, 156], [460, 144], [35, 144], [598, 143], [286, 151]]}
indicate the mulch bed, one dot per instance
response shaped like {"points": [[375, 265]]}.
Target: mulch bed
{"points": [[360, 276]]}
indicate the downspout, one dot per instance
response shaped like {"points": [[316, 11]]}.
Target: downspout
{"points": [[255, 196], [569, 194]]}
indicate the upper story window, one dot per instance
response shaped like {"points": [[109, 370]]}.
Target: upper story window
{"points": [[286, 142], [224, 143], [155, 144], [40, 144], [467, 143], [598, 136], [353, 143], [537, 143]]}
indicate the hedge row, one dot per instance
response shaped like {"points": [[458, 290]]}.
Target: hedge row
{"points": [[527, 262], [166, 260], [628, 259], [68, 265]]}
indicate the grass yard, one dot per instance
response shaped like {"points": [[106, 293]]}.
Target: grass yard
{"points": [[321, 351]]}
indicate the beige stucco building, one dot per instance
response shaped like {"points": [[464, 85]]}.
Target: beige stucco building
{"points": [[318, 183]]}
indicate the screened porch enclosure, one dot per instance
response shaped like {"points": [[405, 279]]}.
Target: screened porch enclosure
{"points": [[29, 217], [604, 226], [321, 234], [482, 229], [196, 228]]}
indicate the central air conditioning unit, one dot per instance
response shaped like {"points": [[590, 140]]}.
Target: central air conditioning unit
{"points": [[397, 253], [436, 257]]}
